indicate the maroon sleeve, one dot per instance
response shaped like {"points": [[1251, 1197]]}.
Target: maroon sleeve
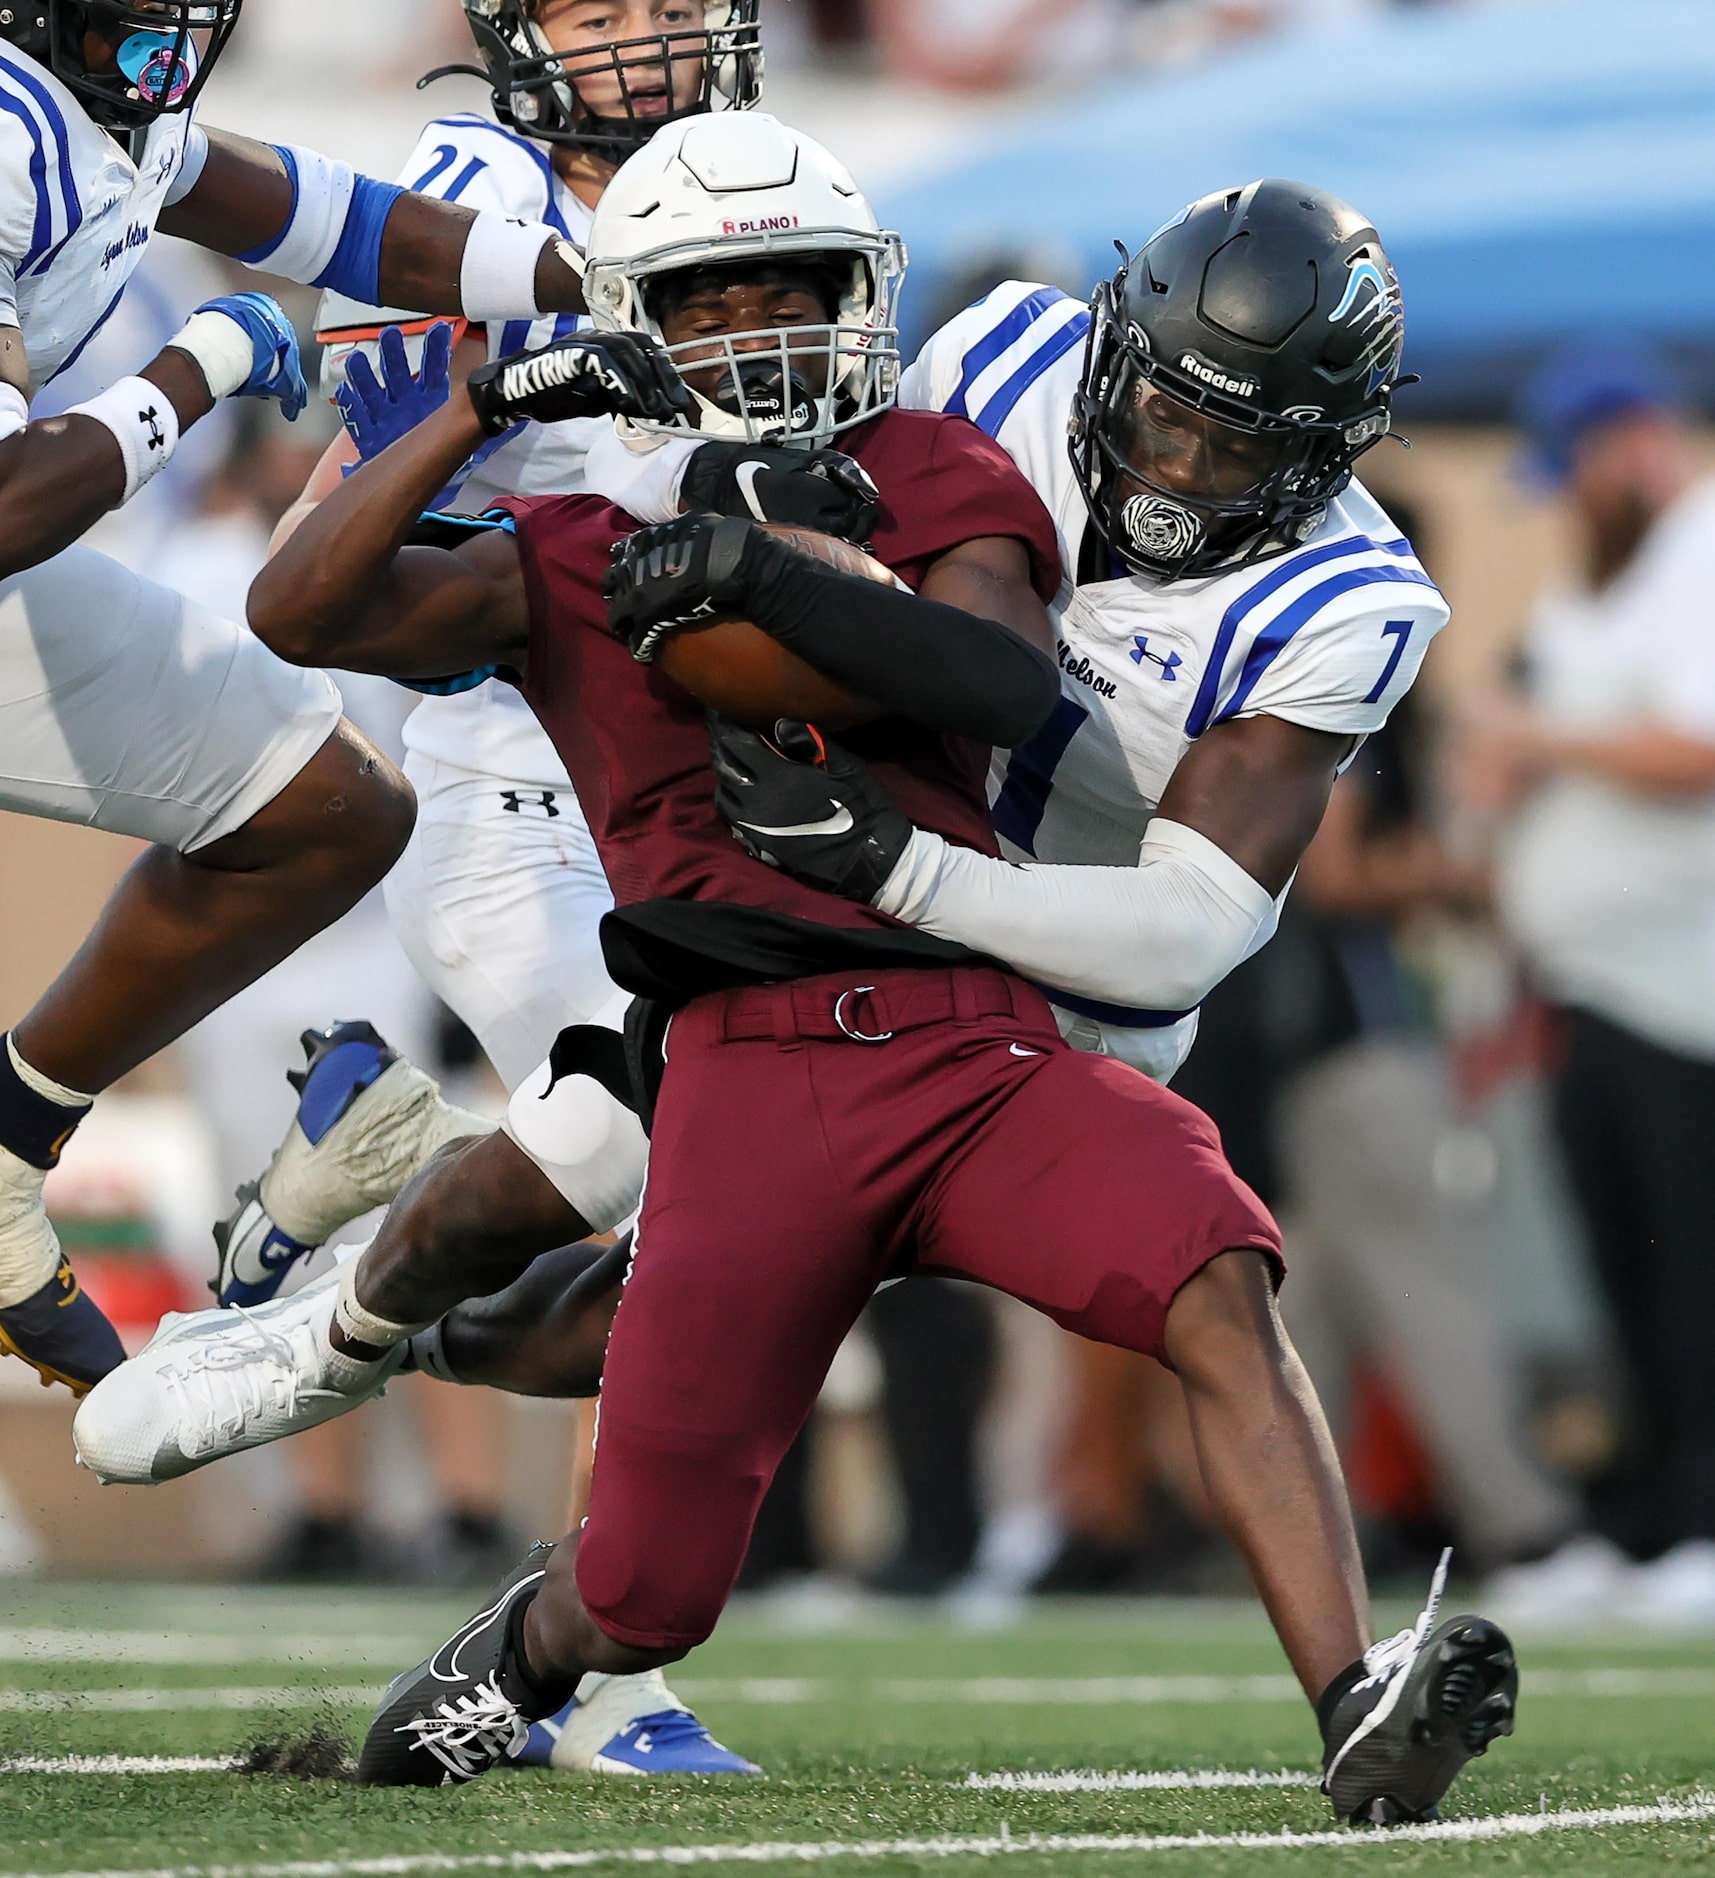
{"points": [[958, 485], [564, 543]]}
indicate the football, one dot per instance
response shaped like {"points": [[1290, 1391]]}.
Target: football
{"points": [[734, 667]]}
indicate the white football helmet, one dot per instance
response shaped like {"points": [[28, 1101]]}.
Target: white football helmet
{"points": [[715, 191]]}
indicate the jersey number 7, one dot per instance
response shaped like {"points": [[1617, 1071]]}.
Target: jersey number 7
{"points": [[1399, 631]]}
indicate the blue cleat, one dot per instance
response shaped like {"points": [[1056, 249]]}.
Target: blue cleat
{"points": [[605, 1734], [366, 1121], [255, 1252], [339, 1064], [62, 1334]]}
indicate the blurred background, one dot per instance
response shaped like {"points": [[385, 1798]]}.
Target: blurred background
{"points": [[1476, 1071]]}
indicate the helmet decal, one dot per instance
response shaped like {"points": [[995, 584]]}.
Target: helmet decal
{"points": [[155, 65], [1161, 528]]}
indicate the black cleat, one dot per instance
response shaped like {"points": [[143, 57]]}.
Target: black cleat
{"points": [[464, 1711], [62, 1334], [1433, 1698]]}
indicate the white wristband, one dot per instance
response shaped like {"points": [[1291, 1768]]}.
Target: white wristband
{"points": [[142, 419], [222, 350], [497, 279], [14, 410]]}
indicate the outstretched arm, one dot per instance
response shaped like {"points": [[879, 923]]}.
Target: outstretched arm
{"points": [[295, 213], [1236, 818], [59, 475]]}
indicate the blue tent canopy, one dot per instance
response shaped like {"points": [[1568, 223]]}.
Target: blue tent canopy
{"points": [[1538, 171]]}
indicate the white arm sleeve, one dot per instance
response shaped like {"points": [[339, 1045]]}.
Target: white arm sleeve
{"points": [[190, 170], [644, 481], [1159, 936]]}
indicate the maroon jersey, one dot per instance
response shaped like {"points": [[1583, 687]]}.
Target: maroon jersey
{"points": [[694, 911]]}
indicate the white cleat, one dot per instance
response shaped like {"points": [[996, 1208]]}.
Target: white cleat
{"points": [[213, 1383]]}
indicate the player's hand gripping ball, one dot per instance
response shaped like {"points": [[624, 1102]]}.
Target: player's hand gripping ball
{"points": [[804, 805], [586, 375], [682, 596], [820, 489]]}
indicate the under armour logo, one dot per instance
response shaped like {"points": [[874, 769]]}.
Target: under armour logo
{"points": [[1169, 665], [540, 799], [157, 436]]}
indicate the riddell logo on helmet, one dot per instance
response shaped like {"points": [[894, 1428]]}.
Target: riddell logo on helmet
{"points": [[1215, 378], [767, 225]]}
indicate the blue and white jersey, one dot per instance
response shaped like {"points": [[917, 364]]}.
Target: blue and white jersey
{"points": [[1330, 635], [473, 160], [76, 212]]}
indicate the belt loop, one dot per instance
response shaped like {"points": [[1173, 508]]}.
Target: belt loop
{"points": [[784, 1011], [965, 1011]]}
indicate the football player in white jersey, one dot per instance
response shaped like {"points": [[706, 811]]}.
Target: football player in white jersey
{"points": [[120, 705], [1238, 612]]}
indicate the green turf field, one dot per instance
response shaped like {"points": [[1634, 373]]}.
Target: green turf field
{"points": [[871, 1737]]}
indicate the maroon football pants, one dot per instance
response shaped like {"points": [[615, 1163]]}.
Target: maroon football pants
{"points": [[812, 1139]]}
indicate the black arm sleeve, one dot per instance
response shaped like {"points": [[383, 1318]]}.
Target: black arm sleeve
{"points": [[932, 663]]}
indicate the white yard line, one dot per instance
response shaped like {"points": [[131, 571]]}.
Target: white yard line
{"points": [[134, 1701], [1055, 1691], [52, 1645], [983, 1692], [1663, 1812], [114, 1764], [1175, 1780]]}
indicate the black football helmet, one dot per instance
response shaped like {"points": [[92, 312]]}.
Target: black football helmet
{"points": [[166, 50], [1273, 314], [535, 88]]}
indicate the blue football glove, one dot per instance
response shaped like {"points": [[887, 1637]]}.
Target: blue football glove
{"points": [[378, 412], [277, 372]]}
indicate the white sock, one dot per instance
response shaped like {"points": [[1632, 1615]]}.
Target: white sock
{"points": [[362, 1325], [45, 1086], [29, 1249]]}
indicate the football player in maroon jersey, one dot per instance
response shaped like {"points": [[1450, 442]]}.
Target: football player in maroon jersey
{"points": [[843, 1098], [840, 1103]]}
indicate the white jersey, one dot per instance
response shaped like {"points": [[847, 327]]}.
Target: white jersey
{"points": [[474, 161], [1330, 635], [76, 211]]}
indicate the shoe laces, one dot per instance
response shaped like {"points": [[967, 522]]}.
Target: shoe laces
{"points": [[225, 1385], [1383, 1661], [468, 1733], [666, 1728]]}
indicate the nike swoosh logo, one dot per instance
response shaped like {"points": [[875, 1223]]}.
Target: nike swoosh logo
{"points": [[1017, 1050], [745, 476], [454, 1647], [839, 823]]}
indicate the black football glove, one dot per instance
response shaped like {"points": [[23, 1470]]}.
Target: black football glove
{"points": [[808, 807], [677, 573], [586, 375], [768, 483]]}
